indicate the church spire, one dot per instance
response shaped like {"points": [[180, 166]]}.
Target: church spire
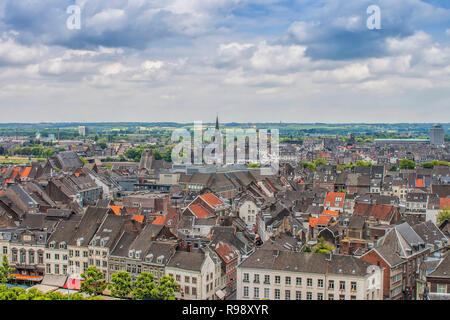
{"points": [[217, 122]]}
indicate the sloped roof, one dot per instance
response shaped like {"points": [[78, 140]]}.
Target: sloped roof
{"points": [[331, 197], [211, 199], [199, 211]]}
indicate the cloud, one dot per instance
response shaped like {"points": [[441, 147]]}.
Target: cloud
{"points": [[252, 60]]}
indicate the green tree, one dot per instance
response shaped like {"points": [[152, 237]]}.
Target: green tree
{"points": [[407, 164], [167, 288], [94, 281], [361, 163], [307, 249], [253, 165], [121, 284], [322, 247], [320, 161], [443, 215], [393, 168], [5, 270], [145, 287], [309, 165], [102, 145]]}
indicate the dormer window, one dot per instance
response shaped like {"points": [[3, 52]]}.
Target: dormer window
{"points": [[131, 253], [138, 254], [52, 244], [160, 259], [62, 245]]}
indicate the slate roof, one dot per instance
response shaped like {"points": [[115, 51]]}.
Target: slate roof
{"points": [[305, 262], [187, 260], [443, 269]]}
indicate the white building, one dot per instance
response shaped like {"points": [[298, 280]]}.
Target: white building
{"points": [[198, 274], [288, 275]]}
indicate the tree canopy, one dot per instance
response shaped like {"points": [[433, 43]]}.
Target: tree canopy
{"points": [[94, 282], [5, 270]]}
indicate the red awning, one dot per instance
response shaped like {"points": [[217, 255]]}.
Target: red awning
{"points": [[72, 284]]}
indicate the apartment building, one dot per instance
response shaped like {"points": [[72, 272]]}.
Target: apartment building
{"points": [[199, 275], [288, 275]]}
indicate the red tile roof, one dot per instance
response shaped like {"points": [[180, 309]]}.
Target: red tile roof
{"points": [[139, 218], [226, 253], [25, 172], [159, 220], [331, 197], [444, 203], [419, 183], [321, 221], [378, 211], [199, 211], [330, 213], [211, 199], [116, 209]]}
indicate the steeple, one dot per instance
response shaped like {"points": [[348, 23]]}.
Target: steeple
{"points": [[217, 122]]}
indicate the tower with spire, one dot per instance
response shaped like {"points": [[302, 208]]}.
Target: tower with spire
{"points": [[217, 122]]}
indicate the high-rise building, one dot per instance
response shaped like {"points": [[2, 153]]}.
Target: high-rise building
{"points": [[82, 130], [437, 135]]}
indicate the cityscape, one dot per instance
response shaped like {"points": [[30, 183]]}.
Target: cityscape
{"points": [[226, 155]]}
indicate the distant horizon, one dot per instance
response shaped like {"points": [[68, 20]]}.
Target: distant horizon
{"points": [[223, 122]]}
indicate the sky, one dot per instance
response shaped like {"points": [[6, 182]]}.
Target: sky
{"points": [[246, 60]]}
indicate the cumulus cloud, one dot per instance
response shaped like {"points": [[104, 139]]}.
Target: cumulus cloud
{"points": [[184, 60]]}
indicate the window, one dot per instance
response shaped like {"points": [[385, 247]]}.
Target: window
{"points": [[298, 295], [85, 254], [277, 294], [298, 281], [56, 256], [77, 253], [31, 256], [256, 293], [194, 292], [48, 268], [266, 279], [178, 278], [308, 296], [5, 250], [342, 285], [266, 293], [342, 297], [186, 290], [288, 280], [47, 256], [256, 278], [186, 279], [320, 283], [353, 286], [331, 284], [57, 268], [309, 282], [245, 291], [441, 288], [246, 277], [331, 296], [194, 280], [277, 279], [287, 295], [352, 297], [320, 296]]}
